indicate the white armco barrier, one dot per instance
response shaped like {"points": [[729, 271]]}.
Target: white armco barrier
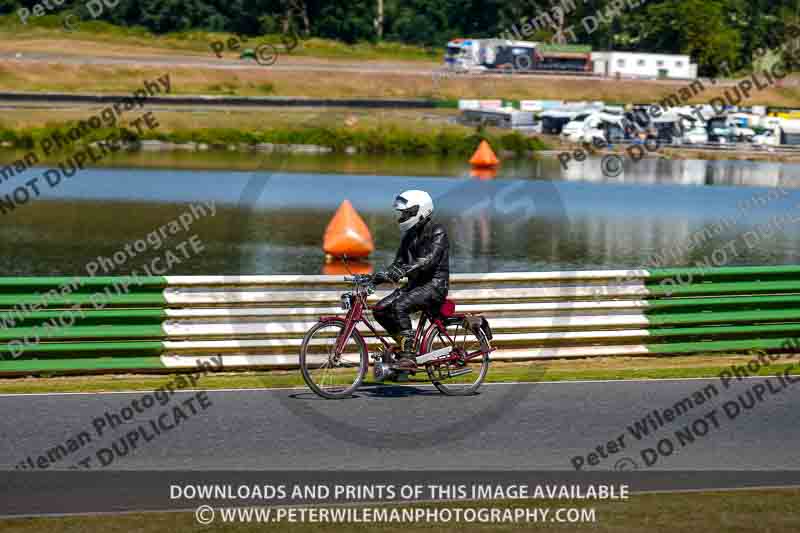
{"points": [[261, 320]]}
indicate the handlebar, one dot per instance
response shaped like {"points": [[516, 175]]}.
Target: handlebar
{"points": [[359, 279], [367, 280]]}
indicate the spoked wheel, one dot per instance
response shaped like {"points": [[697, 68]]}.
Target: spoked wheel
{"points": [[327, 373], [458, 378]]}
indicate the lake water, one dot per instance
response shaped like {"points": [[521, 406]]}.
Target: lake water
{"points": [[272, 210]]}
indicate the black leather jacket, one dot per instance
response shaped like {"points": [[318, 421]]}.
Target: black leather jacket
{"points": [[424, 256]]}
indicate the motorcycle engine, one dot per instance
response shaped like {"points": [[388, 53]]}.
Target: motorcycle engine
{"points": [[382, 371]]}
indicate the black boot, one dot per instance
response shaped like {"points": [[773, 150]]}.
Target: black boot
{"points": [[406, 357]]}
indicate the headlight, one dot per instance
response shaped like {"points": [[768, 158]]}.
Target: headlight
{"points": [[347, 301]]}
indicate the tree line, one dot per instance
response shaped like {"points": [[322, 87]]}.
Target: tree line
{"points": [[713, 32]]}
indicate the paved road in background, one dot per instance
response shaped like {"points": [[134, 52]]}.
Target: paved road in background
{"points": [[532, 426], [284, 63], [290, 63]]}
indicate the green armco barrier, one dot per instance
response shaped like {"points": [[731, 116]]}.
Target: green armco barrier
{"points": [[726, 317], [49, 282], [115, 331], [55, 325], [30, 294], [64, 349], [724, 331], [88, 316], [100, 364], [93, 299], [744, 288], [749, 345], [743, 272], [728, 302]]}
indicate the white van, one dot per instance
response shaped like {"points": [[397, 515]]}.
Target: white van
{"points": [[574, 129], [588, 127]]}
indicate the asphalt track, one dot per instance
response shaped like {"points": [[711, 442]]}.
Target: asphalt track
{"points": [[506, 427]]}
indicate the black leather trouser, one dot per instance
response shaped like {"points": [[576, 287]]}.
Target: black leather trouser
{"points": [[394, 311]]}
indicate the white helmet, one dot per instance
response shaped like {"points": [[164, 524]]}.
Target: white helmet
{"points": [[412, 207]]}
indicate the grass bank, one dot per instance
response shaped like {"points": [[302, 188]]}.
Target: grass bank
{"points": [[40, 32], [604, 368], [371, 132], [294, 79], [772, 511]]}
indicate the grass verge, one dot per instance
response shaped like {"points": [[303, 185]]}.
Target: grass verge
{"points": [[367, 131], [772, 511], [605, 368]]}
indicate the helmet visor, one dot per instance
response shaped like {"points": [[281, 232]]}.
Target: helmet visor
{"points": [[407, 214], [404, 212]]}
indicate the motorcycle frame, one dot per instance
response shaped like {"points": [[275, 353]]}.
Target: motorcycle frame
{"points": [[355, 315]]}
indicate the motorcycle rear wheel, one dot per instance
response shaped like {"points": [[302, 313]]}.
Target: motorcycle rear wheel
{"points": [[462, 340]]}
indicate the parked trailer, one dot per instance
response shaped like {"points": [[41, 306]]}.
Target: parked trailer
{"points": [[553, 122], [516, 56], [502, 118], [790, 132]]}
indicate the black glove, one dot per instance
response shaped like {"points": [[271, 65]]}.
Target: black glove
{"points": [[395, 273], [380, 277]]}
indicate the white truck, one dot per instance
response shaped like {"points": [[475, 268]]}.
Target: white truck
{"points": [[478, 55]]}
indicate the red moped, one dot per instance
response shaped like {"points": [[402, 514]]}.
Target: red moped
{"points": [[452, 348]]}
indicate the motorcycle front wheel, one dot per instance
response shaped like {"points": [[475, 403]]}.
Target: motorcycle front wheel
{"points": [[329, 374]]}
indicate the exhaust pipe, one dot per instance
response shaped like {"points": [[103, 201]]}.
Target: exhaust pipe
{"points": [[459, 372]]}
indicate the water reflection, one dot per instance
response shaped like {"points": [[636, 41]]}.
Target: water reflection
{"points": [[503, 224], [690, 172], [649, 170]]}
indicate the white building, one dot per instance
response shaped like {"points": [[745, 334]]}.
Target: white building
{"points": [[639, 65]]}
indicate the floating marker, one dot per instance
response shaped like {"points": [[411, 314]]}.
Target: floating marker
{"points": [[335, 267], [484, 156], [347, 234]]}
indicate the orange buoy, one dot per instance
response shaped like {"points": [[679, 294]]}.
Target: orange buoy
{"points": [[347, 234], [484, 156]]}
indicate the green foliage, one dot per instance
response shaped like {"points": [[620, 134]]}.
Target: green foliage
{"points": [[705, 36], [520, 144], [381, 140]]}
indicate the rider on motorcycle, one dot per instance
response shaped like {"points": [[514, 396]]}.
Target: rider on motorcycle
{"points": [[423, 258]]}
